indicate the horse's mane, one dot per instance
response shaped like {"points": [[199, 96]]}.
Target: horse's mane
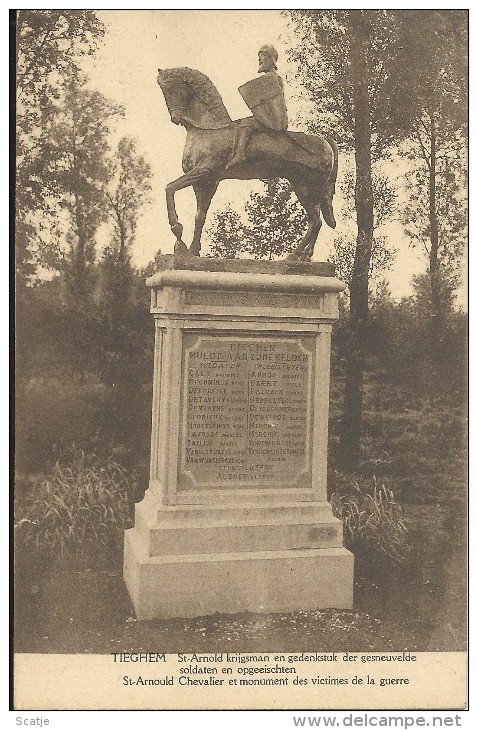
{"points": [[210, 112]]}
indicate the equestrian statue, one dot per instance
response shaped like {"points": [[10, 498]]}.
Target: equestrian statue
{"points": [[257, 147]]}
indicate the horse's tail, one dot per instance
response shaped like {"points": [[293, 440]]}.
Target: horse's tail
{"points": [[326, 203]]}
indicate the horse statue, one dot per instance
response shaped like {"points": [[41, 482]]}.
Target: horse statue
{"points": [[308, 162]]}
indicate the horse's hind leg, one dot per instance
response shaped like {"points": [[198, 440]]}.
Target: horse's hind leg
{"points": [[204, 193], [308, 200]]}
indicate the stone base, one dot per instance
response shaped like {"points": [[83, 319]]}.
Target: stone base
{"points": [[236, 518], [195, 561]]}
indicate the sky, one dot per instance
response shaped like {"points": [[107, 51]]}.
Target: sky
{"points": [[223, 44]]}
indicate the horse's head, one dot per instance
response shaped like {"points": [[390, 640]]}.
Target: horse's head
{"points": [[175, 91], [192, 99]]}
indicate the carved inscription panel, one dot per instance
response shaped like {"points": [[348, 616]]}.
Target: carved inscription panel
{"points": [[246, 412], [255, 299]]}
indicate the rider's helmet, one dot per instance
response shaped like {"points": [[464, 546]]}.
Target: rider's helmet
{"points": [[271, 53]]}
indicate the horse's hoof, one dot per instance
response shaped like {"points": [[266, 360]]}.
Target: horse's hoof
{"points": [[180, 249]]}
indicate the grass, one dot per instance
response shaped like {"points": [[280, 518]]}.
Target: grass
{"points": [[373, 522], [81, 508], [411, 595]]}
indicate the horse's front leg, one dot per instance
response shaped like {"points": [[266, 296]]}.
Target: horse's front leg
{"points": [[182, 182], [204, 193], [174, 223]]}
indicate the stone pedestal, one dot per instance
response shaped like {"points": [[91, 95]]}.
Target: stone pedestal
{"points": [[236, 516]]}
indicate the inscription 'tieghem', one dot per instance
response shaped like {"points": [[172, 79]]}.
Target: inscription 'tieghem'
{"points": [[246, 412]]}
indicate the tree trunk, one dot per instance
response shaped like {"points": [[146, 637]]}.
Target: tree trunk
{"points": [[359, 33], [434, 272]]}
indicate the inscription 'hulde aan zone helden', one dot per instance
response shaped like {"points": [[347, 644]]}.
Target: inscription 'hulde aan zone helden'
{"points": [[246, 414]]}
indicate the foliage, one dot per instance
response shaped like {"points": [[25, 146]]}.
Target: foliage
{"points": [[381, 259], [382, 254], [128, 191], [122, 318], [86, 381], [54, 411], [92, 318], [373, 521], [435, 69], [399, 338], [152, 267], [347, 62], [80, 508], [420, 449], [49, 46], [435, 215], [72, 170], [450, 210], [123, 328], [275, 223], [226, 234], [75, 166], [377, 77], [52, 40], [323, 49], [67, 183], [412, 442]]}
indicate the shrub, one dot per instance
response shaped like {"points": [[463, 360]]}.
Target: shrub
{"points": [[81, 508], [51, 413], [373, 522]]}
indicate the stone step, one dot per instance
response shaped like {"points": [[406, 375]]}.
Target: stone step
{"points": [[240, 533], [217, 513], [189, 585]]}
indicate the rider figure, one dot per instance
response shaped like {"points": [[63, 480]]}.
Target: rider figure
{"points": [[272, 111]]}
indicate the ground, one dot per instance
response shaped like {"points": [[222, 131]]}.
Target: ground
{"points": [[89, 611], [62, 607]]}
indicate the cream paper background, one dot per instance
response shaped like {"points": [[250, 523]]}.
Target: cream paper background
{"points": [[54, 682], [72, 682]]}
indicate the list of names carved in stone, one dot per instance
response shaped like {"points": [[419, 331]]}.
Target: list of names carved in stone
{"points": [[246, 412]]}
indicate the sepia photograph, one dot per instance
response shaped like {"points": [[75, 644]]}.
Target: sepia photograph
{"points": [[241, 343]]}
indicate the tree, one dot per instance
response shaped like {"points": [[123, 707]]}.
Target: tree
{"points": [[435, 215], [347, 62], [275, 223], [399, 341], [49, 44], [383, 254], [51, 41], [71, 165], [76, 164], [127, 193], [152, 266], [226, 234]]}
